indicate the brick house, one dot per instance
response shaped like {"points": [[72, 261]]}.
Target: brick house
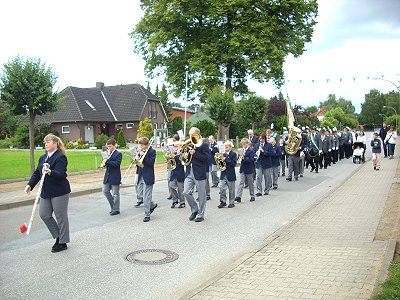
{"points": [[179, 111], [89, 112]]}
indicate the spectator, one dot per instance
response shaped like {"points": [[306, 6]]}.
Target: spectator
{"points": [[382, 134], [390, 140]]}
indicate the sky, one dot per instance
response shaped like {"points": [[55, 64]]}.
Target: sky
{"points": [[88, 41]]}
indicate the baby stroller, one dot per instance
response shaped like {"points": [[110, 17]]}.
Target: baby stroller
{"points": [[358, 153]]}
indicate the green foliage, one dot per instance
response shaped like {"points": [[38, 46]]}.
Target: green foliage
{"points": [[121, 139], [329, 121], [332, 103], [22, 136], [372, 107], [7, 143], [8, 121], [390, 289], [145, 129], [101, 141], [222, 39], [341, 118], [239, 127], [311, 110], [392, 99], [163, 94], [252, 108], [392, 120], [206, 127], [177, 124]]}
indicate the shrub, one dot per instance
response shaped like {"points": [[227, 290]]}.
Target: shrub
{"points": [[7, 143], [145, 129], [69, 145], [206, 127], [121, 139], [22, 136], [101, 141]]}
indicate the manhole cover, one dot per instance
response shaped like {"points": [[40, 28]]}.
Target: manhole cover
{"points": [[152, 257]]}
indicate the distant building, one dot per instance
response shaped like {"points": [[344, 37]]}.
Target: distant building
{"points": [[320, 114], [89, 112], [179, 111]]}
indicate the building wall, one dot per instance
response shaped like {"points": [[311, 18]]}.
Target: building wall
{"points": [[75, 131], [180, 113]]}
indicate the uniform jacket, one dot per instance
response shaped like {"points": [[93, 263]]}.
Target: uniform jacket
{"points": [[230, 160], [275, 152], [247, 164], [315, 142], [213, 149], [347, 137], [199, 163], [253, 140], [113, 169], [265, 157], [341, 138], [56, 184], [148, 169], [335, 142], [179, 172], [326, 144], [282, 151]]}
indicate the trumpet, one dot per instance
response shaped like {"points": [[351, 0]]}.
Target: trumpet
{"points": [[221, 164], [239, 160], [195, 140]]}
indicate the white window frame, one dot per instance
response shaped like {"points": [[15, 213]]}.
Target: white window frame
{"points": [[119, 126], [65, 129], [129, 125]]}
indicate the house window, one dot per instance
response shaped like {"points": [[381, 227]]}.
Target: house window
{"points": [[149, 106], [119, 126], [65, 129], [154, 110], [129, 125]]}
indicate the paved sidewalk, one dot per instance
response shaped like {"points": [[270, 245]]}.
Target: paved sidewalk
{"points": [[329, 252]]}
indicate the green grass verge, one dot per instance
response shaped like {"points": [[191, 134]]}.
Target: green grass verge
{"points": [[15, 163], [390, 289]]}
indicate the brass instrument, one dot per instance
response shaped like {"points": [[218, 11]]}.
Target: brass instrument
{"points": [[169, 155], [221, 164], [294, 140], [195, 140], [239, 160]]}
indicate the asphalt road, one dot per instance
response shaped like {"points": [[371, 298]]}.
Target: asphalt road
{"points": [[94, 266]]}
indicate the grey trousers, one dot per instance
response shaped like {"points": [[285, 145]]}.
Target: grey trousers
{"points": [[144, 194], [168, 178], [188, 187], [113, 198], [266, 175], [243, 179], [58, 205], [301, 165], [224, 184], [176, 188], [208, 184], [275, 173], [214, 177], [293, 166], [283, 165]]}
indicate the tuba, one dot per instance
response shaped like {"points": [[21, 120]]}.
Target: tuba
{"points": [[294, 140], [195, 140]]}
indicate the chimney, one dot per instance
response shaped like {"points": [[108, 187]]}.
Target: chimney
{"points": [[99, 85]]}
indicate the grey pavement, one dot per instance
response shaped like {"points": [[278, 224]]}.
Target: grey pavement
{"points": [[94, 266]]}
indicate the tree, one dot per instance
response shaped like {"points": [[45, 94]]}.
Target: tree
{"points": [[252, 108], [372, 107], [163, 95], [341, 118], [121, 139], [145, 129], [206, 127], [8, 121], [311, 110], [276, 107], [332, 103], [392, 99], [177, 124], [27, 86], [220, 106], [222, 42]]}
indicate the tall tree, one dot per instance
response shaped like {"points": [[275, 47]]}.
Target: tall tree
{"points": [[372, 107], [220, 107], [251, 108], [163, 95], [27, 86], [222, 42], [8, 121], [332, 103]]}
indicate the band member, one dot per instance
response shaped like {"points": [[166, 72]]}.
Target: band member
{"points": [[175, 138], [55, 192], [177, 179], [263, 166], [341, 137], [283, 156], [275, 161], [112, 177], [382, 134], [246, 171], [325, 148], [145, 178], [335, 146], [313, 152], [196, 176], [304, 145], [347, 142], [293, 161], [213, 166], [252, 138], [228, 177]]}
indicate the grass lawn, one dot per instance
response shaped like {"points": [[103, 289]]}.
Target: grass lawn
{"points": [[15, 163], [390, 289]]}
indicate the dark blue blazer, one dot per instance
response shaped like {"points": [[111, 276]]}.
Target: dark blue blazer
{"points": [[230, 161], [275, 155], [257, 163], [304, 141], [148, 169], [265, 157], [247, 164], [113, 169], [56, 184], [282, 151], [179, 172], [199, 163], [213, 149]]}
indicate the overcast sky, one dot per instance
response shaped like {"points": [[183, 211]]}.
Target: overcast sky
{"points": [[87, 41]]}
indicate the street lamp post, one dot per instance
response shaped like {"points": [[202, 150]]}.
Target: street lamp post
{"points": [[397, 87], [394, 112]]}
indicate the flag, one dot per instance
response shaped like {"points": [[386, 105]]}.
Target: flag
{"points": [[289, 115]]}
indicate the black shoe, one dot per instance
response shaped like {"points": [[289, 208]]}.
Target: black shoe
{"points": [[138, 204], [174, 204], [59, 248], [199, 219], [301, 175], [275, 187], [208, 198], [238, 199], [316, 171], [296, 178], [214, 185], [193, 215], [114, 213], [252, 199], [258, 194], [221, 205], [154, 207], [170, 197], [146, 219], [374, 168], [56, 243], [289, 179], [266, 193], [283, 174], [231, 205], [325, 167], [246, 186], [182, 205]]}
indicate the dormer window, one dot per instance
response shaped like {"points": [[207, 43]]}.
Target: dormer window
{"points": [[90, 105]]}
